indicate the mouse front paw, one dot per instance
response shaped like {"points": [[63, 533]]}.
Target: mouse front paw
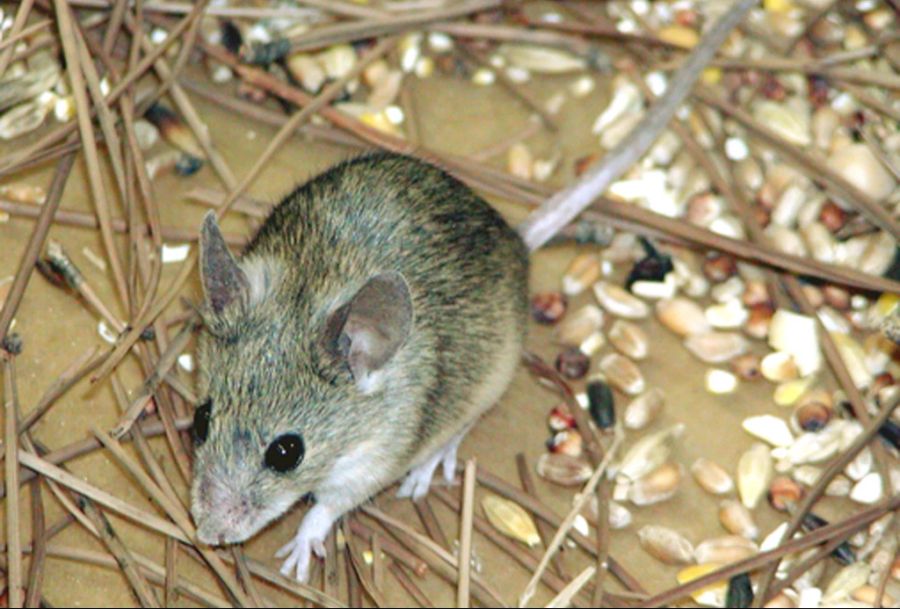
{"points": [[299, 554]]}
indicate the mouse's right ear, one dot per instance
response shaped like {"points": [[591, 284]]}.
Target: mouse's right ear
{"points": [[222, 278]]}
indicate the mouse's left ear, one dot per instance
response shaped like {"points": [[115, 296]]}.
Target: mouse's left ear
{"points": [[223, 280], [370, 329]]}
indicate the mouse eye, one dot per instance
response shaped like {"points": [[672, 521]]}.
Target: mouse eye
{"points": [[200, 429], [285, 453]]}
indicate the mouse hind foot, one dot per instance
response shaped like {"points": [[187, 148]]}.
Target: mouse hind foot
{"points": [[418, 480]]}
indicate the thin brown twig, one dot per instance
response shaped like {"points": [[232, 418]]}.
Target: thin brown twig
{"points": [[545, 531], [430, 522], [40, 536], [117, 548], [17, 27], [15, 592], [465, 535], [35, 244]]}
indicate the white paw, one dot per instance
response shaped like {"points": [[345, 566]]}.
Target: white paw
{"points": [[310, 538], [417, 483], [299, 554]]}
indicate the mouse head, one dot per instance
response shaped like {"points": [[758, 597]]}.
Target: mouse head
{"points": [[281, 377]]}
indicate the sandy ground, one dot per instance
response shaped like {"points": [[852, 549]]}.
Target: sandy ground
{"points": [[454, 116]]}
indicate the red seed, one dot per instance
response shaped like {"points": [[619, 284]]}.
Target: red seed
{"points": [[832, 216], [784, 492], [572, 363], [561, 418], [719, 267], [548, 307]]}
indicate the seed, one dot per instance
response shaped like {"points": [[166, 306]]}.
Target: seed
{"points": [[548, 307], [622, 374], [579, 326], [601, 404], [854, 359], [747, 367], [755, 293], [737, 519], [649, 452], [845, 581], [860, 467], [630, 339], [868, 595], [666, 545], [758, 321], [717, 347], [619, 302], [712, 595], [869, 490], [682, 316], [644, 409], [174, 130], [582, 164], [583, 271], [770, 429], [510, 519], [859, 166], [23, 118], [566, 442], [725, 550], [560, 418], [843, 553], [878, 255], [790, 122], [704, 208], [798, 335], [812, 416], [784, 493], [779, 601], [720, 382], [754, 474], [519, 161], [719, 267], [657, 486], [728, 315], [541, 59], [778, 366], [712, 477], [814, 447], [832, 216], [311, 76], [562, 469], [656, 289], [619, 516], [788, 392], [20, 192], [652, 268], [572, 363]]}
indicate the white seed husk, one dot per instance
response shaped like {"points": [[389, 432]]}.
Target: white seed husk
{"points": [[649, 452], [716, 347], [869, 490], [644, 409], [754, 474], [770, 429], [579, 325], [657, 486], [616, 301]]}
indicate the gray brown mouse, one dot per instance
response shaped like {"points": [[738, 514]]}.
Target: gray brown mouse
{"points": [[378, 312]]}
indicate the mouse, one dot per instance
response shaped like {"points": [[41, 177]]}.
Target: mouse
{"points": [[378, 312]]}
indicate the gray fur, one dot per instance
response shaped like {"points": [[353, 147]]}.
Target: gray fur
{"points": [[270, 365]]}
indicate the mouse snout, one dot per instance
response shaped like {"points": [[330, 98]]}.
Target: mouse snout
{"points": [[222, 514]]}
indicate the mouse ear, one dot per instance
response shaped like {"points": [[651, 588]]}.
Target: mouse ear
{"points": [[222, 278], [371, 328]]}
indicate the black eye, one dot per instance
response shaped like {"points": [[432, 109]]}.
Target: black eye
{"points": [[285, 453], [200, 430]]}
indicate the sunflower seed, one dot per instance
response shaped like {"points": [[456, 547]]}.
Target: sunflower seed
{"points": [[666, 545]]}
